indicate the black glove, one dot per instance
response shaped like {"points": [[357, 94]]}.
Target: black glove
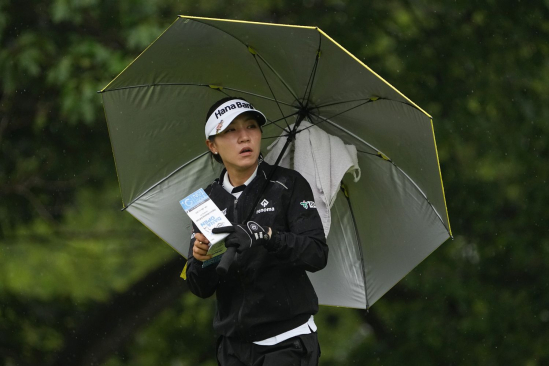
{"points": [[243, 237]]}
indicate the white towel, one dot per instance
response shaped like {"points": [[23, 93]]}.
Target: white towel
{"points": [[322, 159]]}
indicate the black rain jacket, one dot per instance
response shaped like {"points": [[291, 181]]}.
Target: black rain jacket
{"points": [[266, 292]]}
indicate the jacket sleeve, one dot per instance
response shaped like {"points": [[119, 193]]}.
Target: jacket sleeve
{"points": [[202, 281], [304, 245]]}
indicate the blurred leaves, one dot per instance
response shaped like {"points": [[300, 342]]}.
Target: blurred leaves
{"points": [[85, 257], [62, 271]]}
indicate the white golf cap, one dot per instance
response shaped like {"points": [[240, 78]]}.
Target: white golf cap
{"points": [[227, 112]]}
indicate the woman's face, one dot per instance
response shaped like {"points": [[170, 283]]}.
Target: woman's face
{"points": [[239, 144]]}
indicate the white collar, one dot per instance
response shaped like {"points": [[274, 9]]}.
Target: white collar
{"points": [[229, 187]]}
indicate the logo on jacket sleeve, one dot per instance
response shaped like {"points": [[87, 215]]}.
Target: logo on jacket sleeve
{"points": [[308, 204]]}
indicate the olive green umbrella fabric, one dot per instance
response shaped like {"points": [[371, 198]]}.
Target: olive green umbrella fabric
{"points": [[156, 108]]}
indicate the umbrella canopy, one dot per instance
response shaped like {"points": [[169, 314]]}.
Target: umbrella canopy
{"points": [[394, 217]]}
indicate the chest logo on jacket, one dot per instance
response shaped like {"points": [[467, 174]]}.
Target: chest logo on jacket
{"points": [[265, 203]]}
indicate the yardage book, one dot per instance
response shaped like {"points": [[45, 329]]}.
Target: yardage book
{"points": [[206, 216]]}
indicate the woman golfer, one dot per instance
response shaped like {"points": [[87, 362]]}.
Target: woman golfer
{"points": [[265, 302]]}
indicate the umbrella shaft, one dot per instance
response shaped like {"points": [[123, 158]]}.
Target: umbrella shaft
{"points": [[290, 138]]}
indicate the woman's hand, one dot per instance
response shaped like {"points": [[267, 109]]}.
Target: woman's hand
{"points": [[200, 247], [243, 237]]}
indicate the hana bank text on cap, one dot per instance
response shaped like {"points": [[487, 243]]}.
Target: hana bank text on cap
{"points": [[227, 112]]}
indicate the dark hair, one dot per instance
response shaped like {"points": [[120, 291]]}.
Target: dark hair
{"points": [[216, 105]]}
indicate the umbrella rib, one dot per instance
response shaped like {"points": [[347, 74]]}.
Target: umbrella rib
{"points": [[194, 84], [315, 67], [274, 122], [260, 96], [359, 242], [270, 122], [368, 99], [335, 115], [277, 75], [379, 153], [313, 72], [206, 85], [424, 196], [164, 179], [254, 53], [315, 124], [221, 30], [346, 101], [125, 87], [267, 124], [275, 137], [272, 92], [369, 153], [382, 155]]}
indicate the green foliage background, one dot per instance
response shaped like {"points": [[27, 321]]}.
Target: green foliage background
{"points": [[67, 253]]}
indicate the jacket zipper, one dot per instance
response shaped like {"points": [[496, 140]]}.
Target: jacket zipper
{"points": [[234, 209], [239, 317], [235, 220]]}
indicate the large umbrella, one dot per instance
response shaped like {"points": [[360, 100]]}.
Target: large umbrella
{"points": [[386, 224]]}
